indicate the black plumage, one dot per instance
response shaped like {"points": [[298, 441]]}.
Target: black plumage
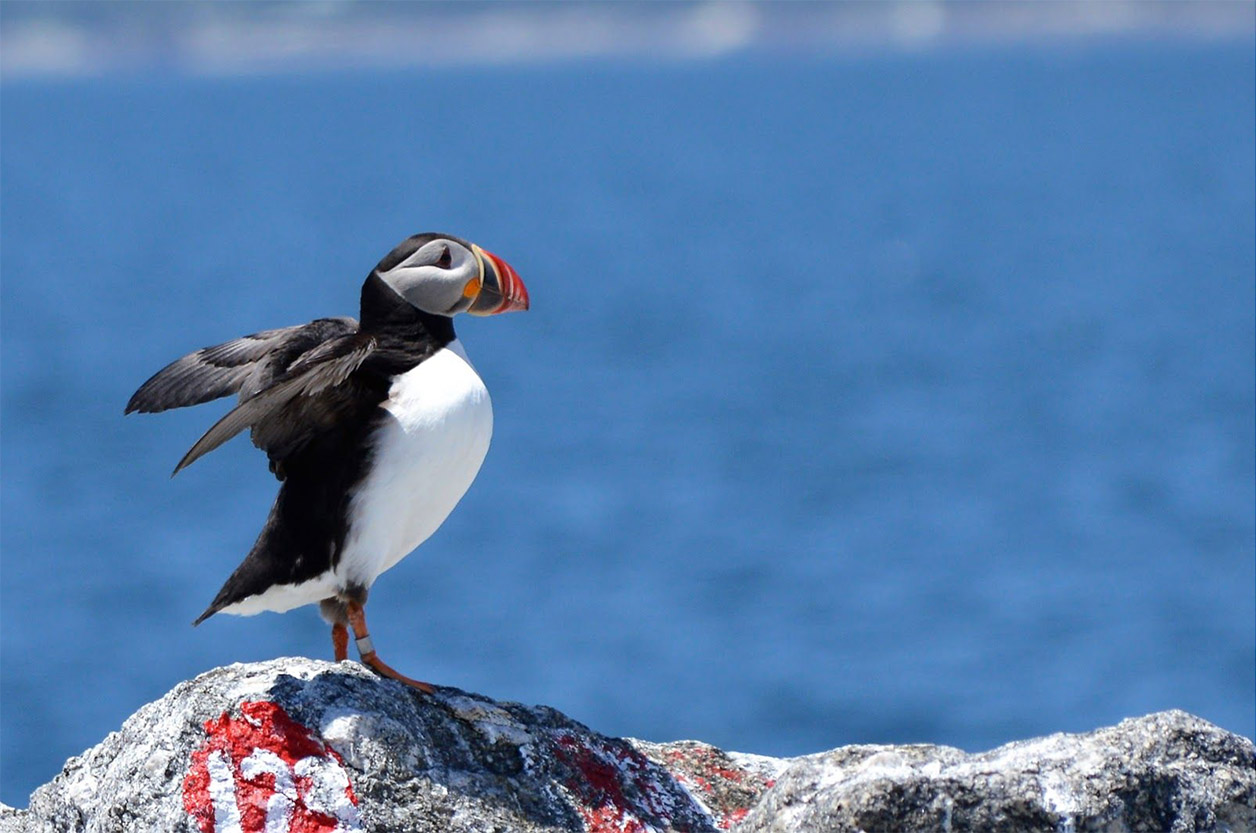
{"points": [[310, 395], [375, 428], [246, 366]]}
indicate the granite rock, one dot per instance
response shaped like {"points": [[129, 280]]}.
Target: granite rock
{"points": [[1169, 772], [302, 746]]}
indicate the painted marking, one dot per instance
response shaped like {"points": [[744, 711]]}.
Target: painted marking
{"points": [[221, 791], [263, 772], [614, 787]]}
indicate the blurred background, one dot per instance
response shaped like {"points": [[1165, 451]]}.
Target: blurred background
{"points": [[889, 376]]}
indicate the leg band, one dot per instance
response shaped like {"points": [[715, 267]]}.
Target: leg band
{"points": [[365, 646]]}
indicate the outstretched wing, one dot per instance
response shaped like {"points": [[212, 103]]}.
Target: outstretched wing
{"points": [[296, 404], [245, 366]]}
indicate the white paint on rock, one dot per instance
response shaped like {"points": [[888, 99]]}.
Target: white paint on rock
{"points": [[328, 793], [222, 792]]}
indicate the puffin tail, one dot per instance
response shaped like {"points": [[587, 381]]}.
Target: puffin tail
{"points": [[209, 611]]}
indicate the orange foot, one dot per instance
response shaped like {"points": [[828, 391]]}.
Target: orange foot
{"points": [[357, 621], [372, 661], [340, 641]]}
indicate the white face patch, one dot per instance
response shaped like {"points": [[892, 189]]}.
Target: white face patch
{"points": [[433, 277]]}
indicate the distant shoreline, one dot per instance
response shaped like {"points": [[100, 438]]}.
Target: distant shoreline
{"points": [[71, 39]]}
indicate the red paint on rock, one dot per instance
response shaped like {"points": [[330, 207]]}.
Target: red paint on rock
{"points": [[237, 774], [614, 787], [726, 790]]}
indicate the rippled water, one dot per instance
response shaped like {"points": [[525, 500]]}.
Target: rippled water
{"points": [[887, 399]]}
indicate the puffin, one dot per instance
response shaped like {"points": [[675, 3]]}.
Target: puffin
{"points": [[375, 429]]}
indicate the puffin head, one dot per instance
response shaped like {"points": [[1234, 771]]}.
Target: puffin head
{"points": [[445, 275]]}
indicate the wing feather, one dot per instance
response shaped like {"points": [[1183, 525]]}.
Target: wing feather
{"points": [[245, 365], [313, 374]]}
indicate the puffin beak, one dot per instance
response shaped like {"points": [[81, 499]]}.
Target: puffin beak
{"points": [[500, 287]]}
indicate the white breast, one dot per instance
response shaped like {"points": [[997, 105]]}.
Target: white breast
{"points": [[425, 457]]}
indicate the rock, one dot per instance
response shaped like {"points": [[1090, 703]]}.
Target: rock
{"points": [[301, 746], [1163, 772]]}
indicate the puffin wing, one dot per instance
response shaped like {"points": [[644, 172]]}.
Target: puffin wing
{"points": [[246, 366], [285, 414]]}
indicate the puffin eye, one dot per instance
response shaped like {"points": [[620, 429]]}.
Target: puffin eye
{"points": [[446, 258]]}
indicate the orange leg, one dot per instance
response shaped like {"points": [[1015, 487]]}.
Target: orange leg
{"points": [[357, 621], [340, 641]]}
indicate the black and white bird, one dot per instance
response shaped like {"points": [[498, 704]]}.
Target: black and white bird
{"points": [[374, 427]]}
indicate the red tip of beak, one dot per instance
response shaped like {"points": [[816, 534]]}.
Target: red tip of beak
{"points": [[514, 293]]}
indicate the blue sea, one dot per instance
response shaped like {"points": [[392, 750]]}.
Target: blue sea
{"points": [[895, 397]]}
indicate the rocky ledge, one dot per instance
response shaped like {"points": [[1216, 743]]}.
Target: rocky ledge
{"points": [[300, 746]]}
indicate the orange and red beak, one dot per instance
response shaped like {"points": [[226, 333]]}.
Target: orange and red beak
{"points": [[501, 290]]}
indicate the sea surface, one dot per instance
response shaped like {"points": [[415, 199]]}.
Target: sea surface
{"points": [[898, 397]]}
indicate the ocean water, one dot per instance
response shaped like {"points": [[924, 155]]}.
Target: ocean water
{"points": [[891, 398]]}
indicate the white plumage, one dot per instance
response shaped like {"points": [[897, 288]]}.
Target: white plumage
{"points": [[425, 457], [424, 461]]}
